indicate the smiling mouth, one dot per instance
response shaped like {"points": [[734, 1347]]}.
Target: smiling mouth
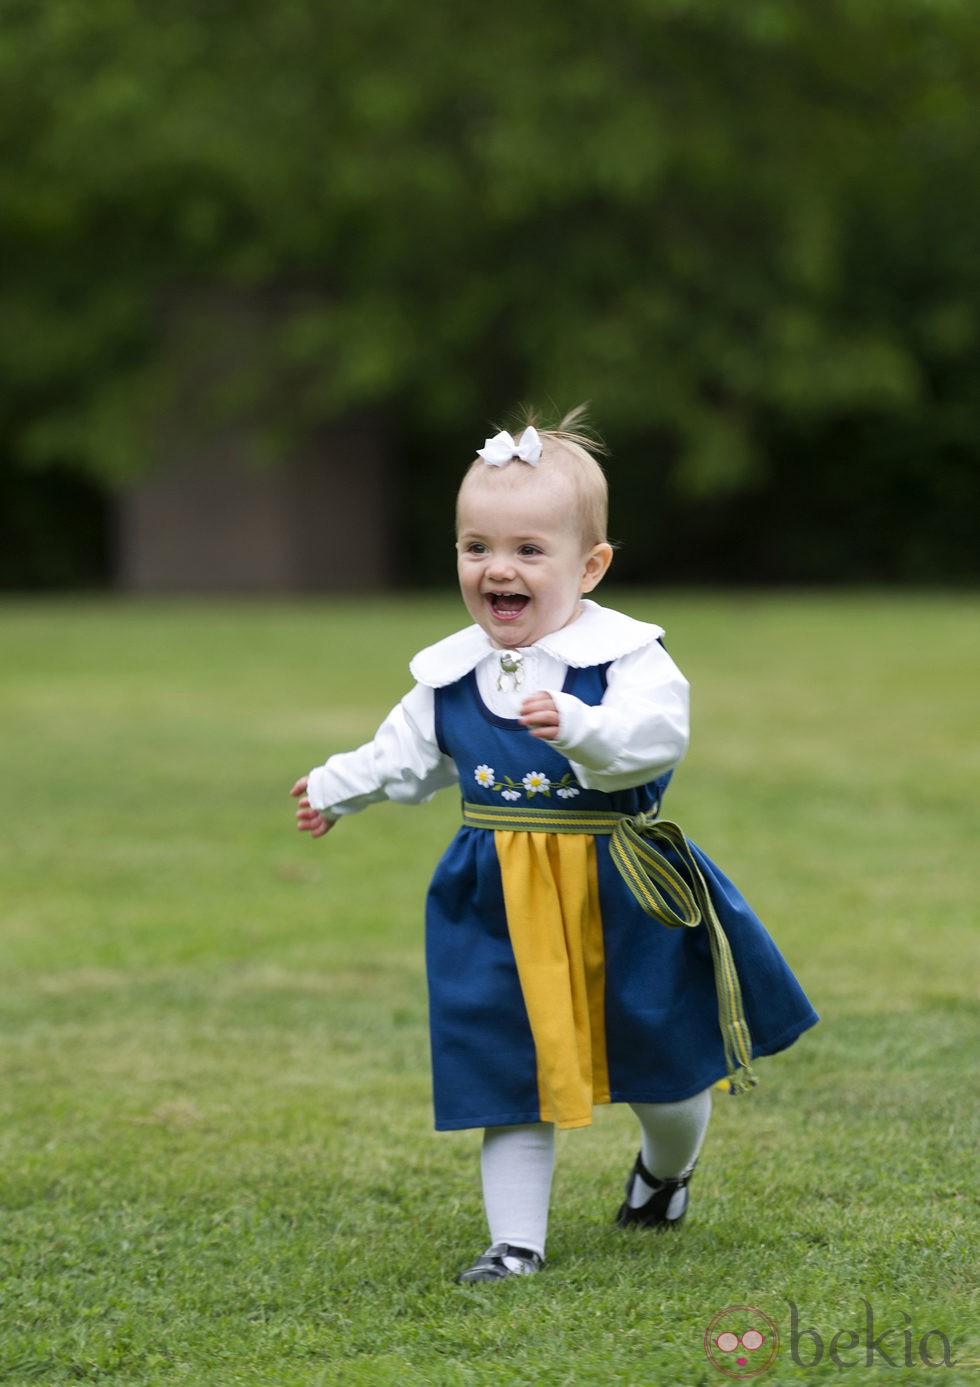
{"points": [[507, 605]]}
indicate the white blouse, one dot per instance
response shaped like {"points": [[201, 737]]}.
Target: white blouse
{"points": [[637, 732]]}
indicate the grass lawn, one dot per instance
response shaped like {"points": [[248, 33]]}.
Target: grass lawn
{"points": [[216, 1156]]}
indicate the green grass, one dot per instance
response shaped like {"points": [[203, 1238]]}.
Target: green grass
{"points": [[216, 1156]]}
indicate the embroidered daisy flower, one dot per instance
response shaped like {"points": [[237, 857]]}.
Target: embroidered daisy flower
{"points": [[536, 783], [568, 792], [484, 775], [510, 794]]}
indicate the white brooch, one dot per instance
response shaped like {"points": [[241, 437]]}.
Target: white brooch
{"points": [[511, 670]]}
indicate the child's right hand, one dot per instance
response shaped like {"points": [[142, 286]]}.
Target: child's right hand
{"points": [[308, 819]]}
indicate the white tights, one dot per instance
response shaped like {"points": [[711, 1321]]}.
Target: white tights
{"points": [[517, 1165]]}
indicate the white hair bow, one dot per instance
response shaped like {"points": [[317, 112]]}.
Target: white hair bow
{"points": [[499, 450]]}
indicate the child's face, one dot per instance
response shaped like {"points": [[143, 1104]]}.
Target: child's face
{"points": [[521, 558]]}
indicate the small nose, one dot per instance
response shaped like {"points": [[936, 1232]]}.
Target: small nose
{"points": [[499, 568]]}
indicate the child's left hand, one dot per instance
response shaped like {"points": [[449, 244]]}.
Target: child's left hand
{"points": [[539, 714]]}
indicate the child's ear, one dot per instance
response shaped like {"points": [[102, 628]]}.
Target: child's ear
{"points": [[597, 562]]}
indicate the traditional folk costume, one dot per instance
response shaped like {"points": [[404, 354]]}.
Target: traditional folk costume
{"points": [[579, 949]]}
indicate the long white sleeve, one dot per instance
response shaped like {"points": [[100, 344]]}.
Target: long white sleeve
{"points": [[403, 762], [638, 731]]}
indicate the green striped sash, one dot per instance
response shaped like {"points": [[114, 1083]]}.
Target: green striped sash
{"points": [[678, 899]]}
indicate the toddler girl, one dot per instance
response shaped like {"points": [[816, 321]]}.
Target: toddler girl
{"points": [[579, 950]]}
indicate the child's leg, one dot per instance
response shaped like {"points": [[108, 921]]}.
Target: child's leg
{"points": [[656, 1192], [517, 1165], [672, 1134]]}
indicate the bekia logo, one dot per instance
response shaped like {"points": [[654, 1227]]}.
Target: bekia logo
{"points": [[743, 1342]]}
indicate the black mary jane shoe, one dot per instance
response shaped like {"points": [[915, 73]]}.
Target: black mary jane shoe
{"points": [[500, 1261], [664, 1209]]}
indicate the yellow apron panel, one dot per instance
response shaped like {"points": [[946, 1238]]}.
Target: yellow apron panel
{"points": [[551, 895]]}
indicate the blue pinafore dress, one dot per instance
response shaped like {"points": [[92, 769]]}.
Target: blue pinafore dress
{"points": [[550, 988]]}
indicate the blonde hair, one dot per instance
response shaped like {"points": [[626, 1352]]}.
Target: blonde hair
{"points": [[570, 448]]}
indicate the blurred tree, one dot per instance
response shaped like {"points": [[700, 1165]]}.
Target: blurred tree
{"points": [[747, 233]]}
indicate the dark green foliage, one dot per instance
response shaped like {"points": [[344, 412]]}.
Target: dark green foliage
{"points": [[746, 233]]}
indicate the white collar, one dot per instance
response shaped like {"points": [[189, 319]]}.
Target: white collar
{"points": [[597, 636]]}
